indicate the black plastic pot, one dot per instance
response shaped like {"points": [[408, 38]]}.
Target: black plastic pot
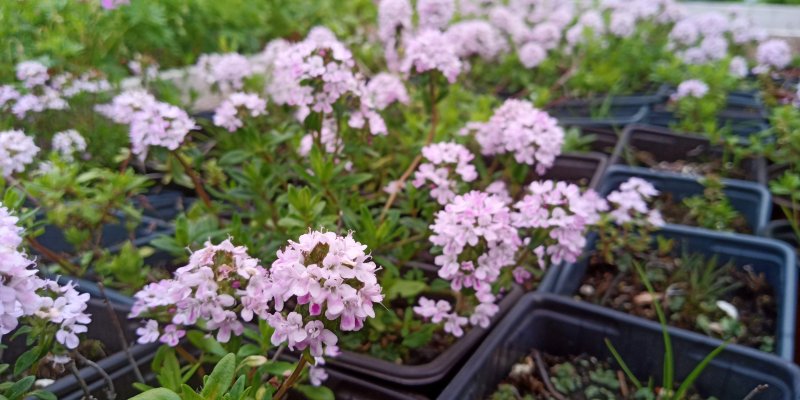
{"points": [[604, 138], [665, 145], [597, 113], [741, 122], [113, 235], [426, 379], [560, 326], [750, 199], [583, 169], [164, 205], [773, 258], [100, 329]]}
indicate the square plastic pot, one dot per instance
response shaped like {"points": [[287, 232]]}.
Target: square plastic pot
{"points": [[773, 258], [583, 169], [561, 326], [604, 138], [670, 146], [113, 235], [425, 379], [750, 199], [100, 329], [597, 113], [165, 205], [742, 123]]}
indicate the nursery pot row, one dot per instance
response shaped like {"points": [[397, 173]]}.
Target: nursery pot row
{"points": [[560, 326]]}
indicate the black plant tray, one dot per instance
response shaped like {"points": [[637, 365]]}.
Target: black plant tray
{"points": [[561, 326]]}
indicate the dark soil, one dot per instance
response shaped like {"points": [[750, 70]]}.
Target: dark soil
{"points": [[675, 212], [753, 297], [700, 164], [581, 377]]}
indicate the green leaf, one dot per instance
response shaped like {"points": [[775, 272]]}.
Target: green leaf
{"points": [[19, 388], [157, 394], [419, 338], [220, 379], [622, 364], [689, 381], [169, 375], [207, 344], [187, 393], [25, 361], [142, 387], [43, 395], [248, 349], [315, 392], [405, 288]]}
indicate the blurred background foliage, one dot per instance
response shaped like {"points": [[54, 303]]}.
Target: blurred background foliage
{"points": [[81, 35]]}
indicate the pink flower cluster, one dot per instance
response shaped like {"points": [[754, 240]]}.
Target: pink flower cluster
{"points": [[225, 72], [690, 88], [773, 54], [443, 162], [229, 113], [441, 311], [478, 224], [32, 74], [313, 75], [321, 275], [477, 38], [531, 135], [435, 14], [151, 122], [385, 89], [394, 23], [26, 295], [67, 143], [430, 50], [562, 213], [481, 222], [629, 204], [17, 150], [705, 38]]}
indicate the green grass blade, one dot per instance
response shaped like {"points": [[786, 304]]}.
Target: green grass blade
{"points": [[687, 383], [669, 370], [622, 364]]}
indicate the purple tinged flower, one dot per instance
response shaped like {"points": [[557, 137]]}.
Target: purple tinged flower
{"points": [[148, 333], [229, 113], [738, 67], [226, 72], [477, 38], [67, 143], [430, 50], [714, 47], [531, 54], [435, 14], [432, 309], [629, 203], [623, 23], [443, 162], [172, 335], [475, 220], [774, 54], [112, 4], [516, 127], [317, 375], [17, 150], [483, 313], [384, 89], [454, 323], [8, 95], [691, 88], [32, 74], [685, 32]]}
